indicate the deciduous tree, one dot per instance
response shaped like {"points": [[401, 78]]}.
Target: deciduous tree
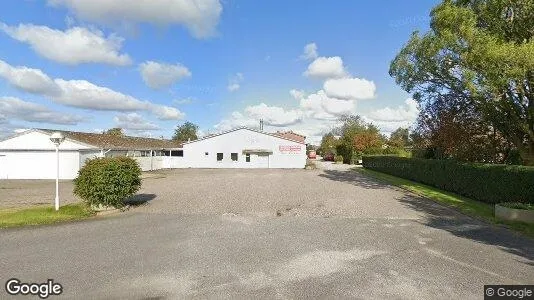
{"points": [[185, 132], [482, 53]]}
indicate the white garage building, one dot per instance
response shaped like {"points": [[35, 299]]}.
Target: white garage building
{"points": [[31, 154]]}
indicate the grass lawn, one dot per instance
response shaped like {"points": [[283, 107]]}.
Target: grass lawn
{"points": [[40, 215], [477, 209]]}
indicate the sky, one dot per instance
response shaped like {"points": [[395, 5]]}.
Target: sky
{"points": [[91, 65]]}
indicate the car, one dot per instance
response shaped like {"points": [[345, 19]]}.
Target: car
{"points": [[329, 157]]}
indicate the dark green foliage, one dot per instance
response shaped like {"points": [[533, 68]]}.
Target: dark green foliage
{"points": [[482, 182], [108, 181]]}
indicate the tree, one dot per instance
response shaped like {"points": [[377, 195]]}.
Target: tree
{"points": [[481, 54], [185, 132], [400, 138], [452, 132], [328, 144], [369, 141], [117, 131]]}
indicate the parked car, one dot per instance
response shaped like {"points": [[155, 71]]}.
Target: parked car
{"points": [[329, 157]]}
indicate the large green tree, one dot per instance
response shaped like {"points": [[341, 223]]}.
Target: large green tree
{"points": [[185, 132], [480, 53], [117, 131], [400, 138]]}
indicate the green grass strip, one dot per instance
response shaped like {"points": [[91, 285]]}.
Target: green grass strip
{"points": [[40, 215], [480, 210]]}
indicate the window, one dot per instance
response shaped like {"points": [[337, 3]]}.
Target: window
{"points": [[233, 156], [247, 157], [166, 153], [179, 153], [220, 156]]}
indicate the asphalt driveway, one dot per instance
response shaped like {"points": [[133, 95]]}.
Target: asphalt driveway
{"points": [[270, 234]]}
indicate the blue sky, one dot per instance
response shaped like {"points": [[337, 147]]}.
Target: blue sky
{"points": [[90, 65]]}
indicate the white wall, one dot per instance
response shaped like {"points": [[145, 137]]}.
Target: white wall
{"points": [[236, 142], [148, 163], [90, 154], [38, 164], [34, 140]]}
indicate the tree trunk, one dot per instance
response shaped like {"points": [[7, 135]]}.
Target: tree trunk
{"points": [[527, 155]]}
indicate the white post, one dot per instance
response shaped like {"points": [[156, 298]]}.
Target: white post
{"points": [[57, 178], [57, 138]]}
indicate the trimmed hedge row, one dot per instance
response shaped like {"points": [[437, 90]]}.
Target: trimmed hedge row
{"points": [[486, 183]]}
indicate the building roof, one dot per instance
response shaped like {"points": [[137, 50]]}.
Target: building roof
{"points": [[290, 135], [108, 141], [301, 141]]}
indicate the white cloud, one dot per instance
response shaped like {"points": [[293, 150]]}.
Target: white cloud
{"points": [[297, 94], [273, 115], [84, 94], [30, 80], [81, 93], [326, 67], [310, 52], [14, 108], [166, 113], [320, 106], [233, 87], [199, 16], [407, 112], [237, 119], [338, 107], [159, 75], [73, 46], [350, 88], [234, 83], [389, 119], [134, 121]]}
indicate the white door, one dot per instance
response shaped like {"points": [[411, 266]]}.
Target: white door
{"points": [[261, 161], [3, 167]]}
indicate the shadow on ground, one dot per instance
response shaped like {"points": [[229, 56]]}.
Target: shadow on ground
{"points": [[140, 199], [353, 178], [444, 218]]}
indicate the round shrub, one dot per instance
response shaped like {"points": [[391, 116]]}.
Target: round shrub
{"points": [[339, 159], [108, 181]]}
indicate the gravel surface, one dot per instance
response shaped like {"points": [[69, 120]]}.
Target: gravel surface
{"points": [[22, 193], [295, 234]]}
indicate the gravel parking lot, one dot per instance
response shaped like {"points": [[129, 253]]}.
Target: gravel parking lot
{"points": [[23, 193], [327, 233], [270, 193]]}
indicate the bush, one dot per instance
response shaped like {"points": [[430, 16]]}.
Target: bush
{"points": [[338, 159], [482, 182], [108, 181]]}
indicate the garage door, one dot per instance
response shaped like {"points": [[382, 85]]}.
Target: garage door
{"points": [[41, 165]]}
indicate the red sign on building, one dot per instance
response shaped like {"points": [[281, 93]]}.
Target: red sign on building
{"points": [[290, 149]]}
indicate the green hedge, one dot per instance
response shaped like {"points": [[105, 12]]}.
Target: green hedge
{"points": [[482, 182]]}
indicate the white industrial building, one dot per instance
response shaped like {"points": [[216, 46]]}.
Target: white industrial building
{"points": [[31, 154]]}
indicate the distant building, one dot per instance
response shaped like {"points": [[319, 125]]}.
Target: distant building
{"points": [[31, 154]]}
